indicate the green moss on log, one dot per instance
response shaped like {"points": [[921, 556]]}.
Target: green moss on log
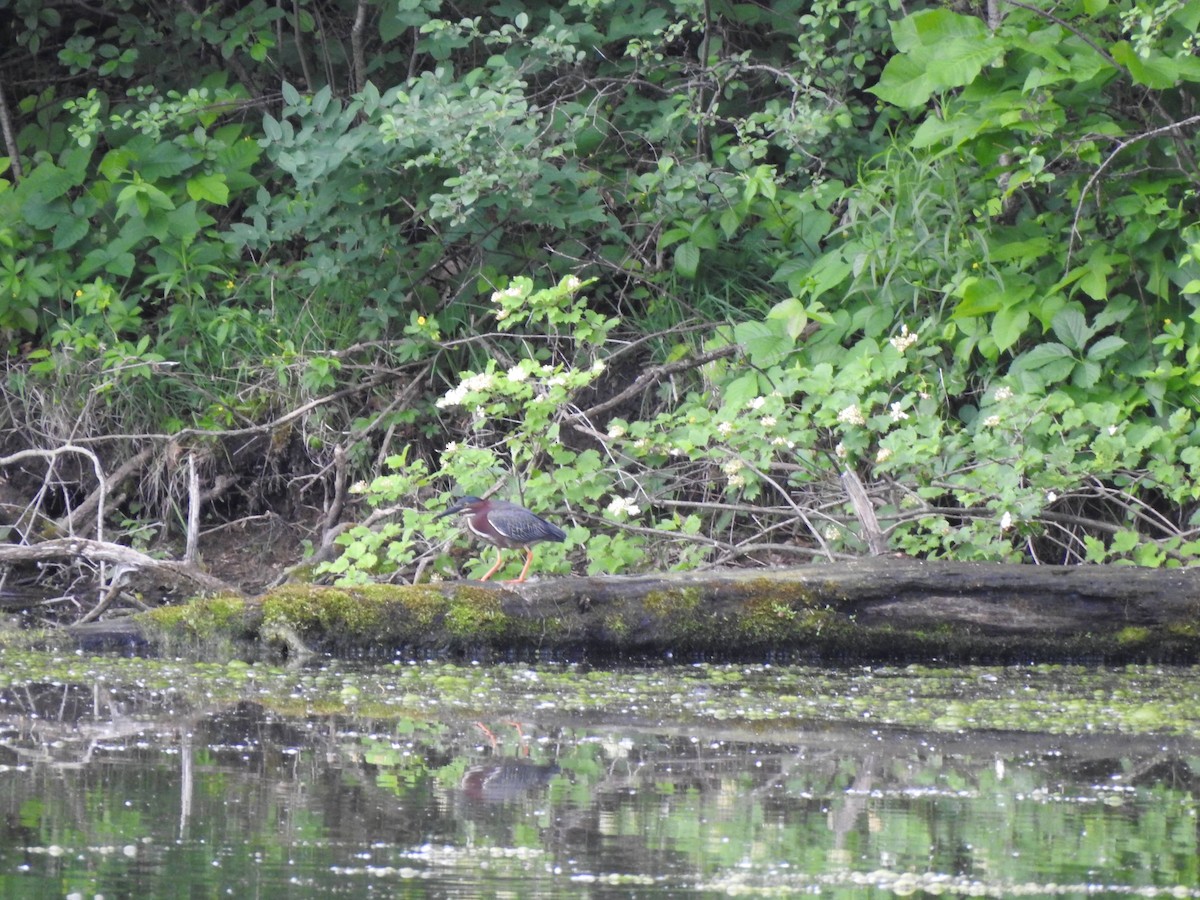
{"points": [[753, 616], [212, 627]]}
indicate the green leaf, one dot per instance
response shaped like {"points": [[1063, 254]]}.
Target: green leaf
{"points": [[70, 231], [1106, 347], [209, 187], [904, 83], [933, 27], [1008, 325], [1156, 73], [1070, 326], [980, 296], [1124, 541], [958, 61], [687, 259], [793, 314], [271, 127], [766, 343], [737, 393], [291, 96], [1094, 281], [1086, 374], [1052, 362], [1028, 250], [825, 274]]}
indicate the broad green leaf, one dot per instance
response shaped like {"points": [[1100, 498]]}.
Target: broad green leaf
{"points": [[1157, 73], [980, 296], [933, 27], [672, 236], [271, 127], [766, 343], [1124, 541], [1106, 347], [958, 61], [1094, 281], [1094, 549], [1029, 250], [1052, 355], [904, 83], [1086, 374], [70, 231], [1070, 326], [730, 221], [825, 274], [741, 390], [687, 259], [209, 187], [115, 163], [792, 313], [1008, 325]]}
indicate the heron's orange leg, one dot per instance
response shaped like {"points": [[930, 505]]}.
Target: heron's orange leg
{"points": [[524, 571], [499, 562]]}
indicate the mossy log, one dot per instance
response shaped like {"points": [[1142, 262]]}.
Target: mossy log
{"points": [[893, 609]]}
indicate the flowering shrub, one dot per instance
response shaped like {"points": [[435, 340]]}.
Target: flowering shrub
{"points": [[758, 466]]}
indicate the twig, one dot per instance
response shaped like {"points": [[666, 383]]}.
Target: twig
{"points": [[356, 45], [191, 544], [10, 140], [654, 374], [861, 504], [67, 524], [1173, 126], [53, 455]]}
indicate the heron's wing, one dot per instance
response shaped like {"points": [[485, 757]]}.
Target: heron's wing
{"points": [[526, 528]]}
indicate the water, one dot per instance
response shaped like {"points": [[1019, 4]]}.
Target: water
{"points": [[129, 778]]}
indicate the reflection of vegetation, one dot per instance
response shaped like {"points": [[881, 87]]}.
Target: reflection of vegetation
{"points": [[197, 778], [412, 696]]}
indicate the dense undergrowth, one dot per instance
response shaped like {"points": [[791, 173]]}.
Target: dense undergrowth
{"points": [[705, 282]]}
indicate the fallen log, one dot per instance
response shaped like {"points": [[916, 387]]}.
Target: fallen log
{"points": [[181, 578], [871, 610]]}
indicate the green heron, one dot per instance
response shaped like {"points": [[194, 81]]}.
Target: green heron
{"points": [[505, 525]]}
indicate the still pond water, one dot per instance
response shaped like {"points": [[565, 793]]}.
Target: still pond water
{"points": [[132, 778]]}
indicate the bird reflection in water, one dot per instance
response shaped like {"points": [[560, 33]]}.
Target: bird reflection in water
{"points": [[505, 778]]}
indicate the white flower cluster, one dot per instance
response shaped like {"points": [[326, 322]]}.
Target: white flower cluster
{"points": [[904, 339], [852, 415], [623, 506], [455, 396], [511, 292]]}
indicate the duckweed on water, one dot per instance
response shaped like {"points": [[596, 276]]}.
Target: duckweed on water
{"points": [[1048, 699]]}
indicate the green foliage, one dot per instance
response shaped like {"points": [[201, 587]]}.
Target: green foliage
{"points": [[958, 258]]}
